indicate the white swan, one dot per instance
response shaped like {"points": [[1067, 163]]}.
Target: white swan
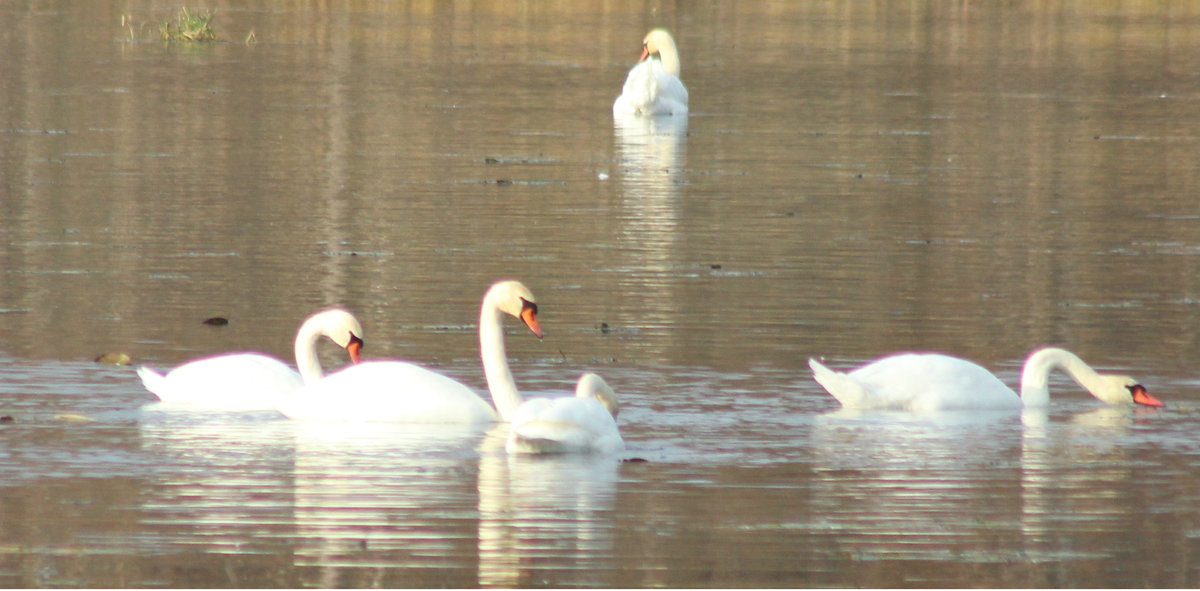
{"points": [[586, 422], [933, 382], [397, 391], [253, 381], [653, 86]]}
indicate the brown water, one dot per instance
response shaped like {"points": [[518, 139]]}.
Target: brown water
{"points": [[854, 179]]}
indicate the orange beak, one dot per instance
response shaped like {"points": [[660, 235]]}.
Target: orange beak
{"points": [[529, 317], [1141, 396], [354, 348], [645, 54]]}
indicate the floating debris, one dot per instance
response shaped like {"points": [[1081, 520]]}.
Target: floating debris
{"points": [[216, 321], [114, 358], [74, 418]]}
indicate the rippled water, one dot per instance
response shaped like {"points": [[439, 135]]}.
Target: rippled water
{"points": [[853, 179]]}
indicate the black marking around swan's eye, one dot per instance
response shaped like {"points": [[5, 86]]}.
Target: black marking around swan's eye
{"points": [[528, 305]]}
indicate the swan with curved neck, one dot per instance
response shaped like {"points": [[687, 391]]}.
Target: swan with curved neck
{"points": [[253, 381], [934, 382], [653, 86], [584, 423], [398, 391]]}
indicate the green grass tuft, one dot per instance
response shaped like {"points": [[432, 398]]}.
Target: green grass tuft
{"points": [[189, 26]]}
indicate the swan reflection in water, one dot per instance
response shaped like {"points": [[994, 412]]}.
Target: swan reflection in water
{"points": [[1080, 476], [390, 504], [549, 513], [650, 155], [951, 484], [896, 485], [405, 505], [221, 481]]}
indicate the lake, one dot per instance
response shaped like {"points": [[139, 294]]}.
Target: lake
{"points": [[853, 179]]}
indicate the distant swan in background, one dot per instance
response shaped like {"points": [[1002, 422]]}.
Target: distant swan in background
{"points": [[653, 86], [253, 381], [586, 422], [934, 382], [398, 391]]}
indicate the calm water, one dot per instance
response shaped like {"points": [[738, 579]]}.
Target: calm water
{"points": [[855, 178]]}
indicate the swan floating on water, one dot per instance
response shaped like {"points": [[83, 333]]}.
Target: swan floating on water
{"points": [[398, 391], [584, 423], [253, 381], [653, 86], [935, 382]]}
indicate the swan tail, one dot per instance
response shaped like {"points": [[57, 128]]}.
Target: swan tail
{"points": [[155, 382], [841, 386]]}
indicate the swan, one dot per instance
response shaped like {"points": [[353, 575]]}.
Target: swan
{"points": [[253, 381], [934, 382], [398, 391], [586, 422], [653, 86]]}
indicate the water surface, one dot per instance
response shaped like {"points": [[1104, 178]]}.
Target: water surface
{"points": [[853, 179]]}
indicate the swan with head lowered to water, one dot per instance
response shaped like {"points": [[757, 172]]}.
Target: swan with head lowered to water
{"points": [[935, 382], [583, 423], [398, 391], [653, 86], [253, 381]]}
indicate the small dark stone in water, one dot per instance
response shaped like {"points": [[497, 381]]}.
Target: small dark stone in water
{"points": [[216, 321], [635, 460], [4, 420], [503, 182], [715, 267], [491, 160]]}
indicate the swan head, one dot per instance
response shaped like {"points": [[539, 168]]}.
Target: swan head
{"points": [[591, 385], [1125, 390], [514, 299], [341, 327], [656, 42]]}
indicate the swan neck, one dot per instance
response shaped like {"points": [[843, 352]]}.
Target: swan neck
{"points": [[495, 362], [306, 353], [669, 57], [1035, 379]]}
